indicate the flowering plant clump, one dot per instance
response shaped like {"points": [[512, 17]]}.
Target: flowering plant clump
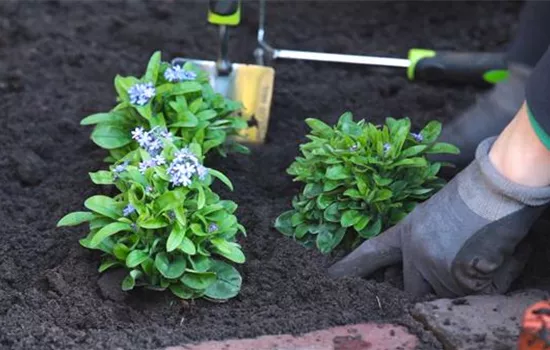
{"points": [[166, 226], [360, 179], [177, 98]]}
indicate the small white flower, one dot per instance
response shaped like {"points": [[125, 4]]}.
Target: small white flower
{"points": [[159, 160], [178, 73], [141, 93], [202, 171], [137, 133], [167, 135], [146, 164], [129, 209]]}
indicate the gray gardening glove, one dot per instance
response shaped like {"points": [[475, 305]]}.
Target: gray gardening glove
{"points": [[487, 117], [466, 239]]}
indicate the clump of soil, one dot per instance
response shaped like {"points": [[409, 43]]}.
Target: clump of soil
{"points": [[57, 64]]}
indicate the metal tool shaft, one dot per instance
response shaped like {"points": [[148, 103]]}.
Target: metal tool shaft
{"points": [[341, 58], [317, 56], [223, 65]]}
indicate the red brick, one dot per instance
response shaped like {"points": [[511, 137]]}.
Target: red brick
{"points": [[368, 336]]}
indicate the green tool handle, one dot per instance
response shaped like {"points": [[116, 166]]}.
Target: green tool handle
{"points": [[224, 12], [464, 67]]}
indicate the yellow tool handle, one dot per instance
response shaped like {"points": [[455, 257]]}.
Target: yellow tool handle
{"points": [[224, 12]]}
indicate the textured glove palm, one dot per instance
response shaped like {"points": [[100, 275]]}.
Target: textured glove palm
{"points": [[466, 239]]}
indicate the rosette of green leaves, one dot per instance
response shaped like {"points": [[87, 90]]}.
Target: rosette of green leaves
{"points": [[360, 179], [189, 109], [176, 238]]}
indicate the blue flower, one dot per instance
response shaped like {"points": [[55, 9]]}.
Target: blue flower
{"points": [[129, 209], [146, 164], [387, 147], [212, 227], [141, 93], [178, 73], [159, 160], [418, 137], [120, 168], [184, 166], [148, 140]]}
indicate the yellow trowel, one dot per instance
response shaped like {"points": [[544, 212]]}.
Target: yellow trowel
{"points": [[252, 85]]}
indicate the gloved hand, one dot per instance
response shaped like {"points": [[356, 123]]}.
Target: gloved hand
{"points": [[466, 239], [487, 117]]}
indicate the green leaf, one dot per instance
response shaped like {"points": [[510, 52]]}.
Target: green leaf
{"points": [[120, 251], [337, 172], [179, 88], [221, 177], [105, 206], [350, 218], [413, 151], [172, 267], [296, 219], [108, 118], [153, 223], [410, 163], [301, 230], [362, 223], [324, 200], [201, 198], [175, 238], [353, 193], [207, 114], [372, 229], [312, 190], [319, 128], [229, 250], [431, 132], [136, 257], [382, 195], [443, 147], [348, 126], [76, 218], [185, 120], [130, 281], [187, 246], [107, 265], [98, 223], [123, 84], [168, 201], [283, 223], [327, 240], [200, 263], [228, 281], [108, 231], [110, 136], [146, 111], [331, 185], [198, 280], [332, 213], [102, 177], [153, 68], [181, 291]]}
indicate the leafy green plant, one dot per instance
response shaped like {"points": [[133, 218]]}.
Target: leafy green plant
{"points": [[360, 179], [178, 98], [166, 226]]}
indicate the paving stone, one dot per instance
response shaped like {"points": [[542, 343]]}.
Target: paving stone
{"points": [[368, 336], [477, 322]]}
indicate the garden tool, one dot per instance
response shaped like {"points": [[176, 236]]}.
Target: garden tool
{"points": [[252, 85], [423, 64]]}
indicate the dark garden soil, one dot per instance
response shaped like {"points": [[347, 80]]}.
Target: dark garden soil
{"points": [[57, 64]]}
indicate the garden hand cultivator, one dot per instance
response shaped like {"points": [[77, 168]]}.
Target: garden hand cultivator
{"points": [[422, 64], [252, 85]]}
